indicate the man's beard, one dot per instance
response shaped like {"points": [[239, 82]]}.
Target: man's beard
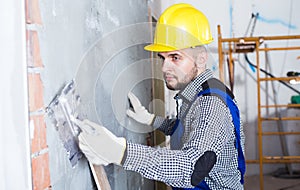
{"points": [[186, 80]]}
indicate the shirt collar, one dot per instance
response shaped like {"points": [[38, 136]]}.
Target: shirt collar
{"points": [[189, 93]]}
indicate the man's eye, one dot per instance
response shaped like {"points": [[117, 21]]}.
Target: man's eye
{"points": [[176, 58]]}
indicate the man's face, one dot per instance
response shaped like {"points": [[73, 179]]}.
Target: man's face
{"points": [[178, 68]]}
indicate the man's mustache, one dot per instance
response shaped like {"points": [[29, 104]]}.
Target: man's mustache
{"points": [[169, 75]]}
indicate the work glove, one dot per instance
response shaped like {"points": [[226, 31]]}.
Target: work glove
{"points": [[100, 146], [139, 113]]}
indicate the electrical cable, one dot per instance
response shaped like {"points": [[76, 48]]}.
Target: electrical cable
{"points": [[269, 74]]}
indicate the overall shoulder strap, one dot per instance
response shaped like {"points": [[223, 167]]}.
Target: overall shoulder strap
{"points": [[214, 83], [217, 88]]}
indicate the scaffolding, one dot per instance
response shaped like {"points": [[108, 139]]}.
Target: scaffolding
{"points": [[229, 46]]}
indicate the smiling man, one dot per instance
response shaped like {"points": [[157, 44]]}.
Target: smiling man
{"points": [[207, 139]]}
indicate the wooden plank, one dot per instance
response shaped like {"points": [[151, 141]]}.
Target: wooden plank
{"points": [[100, 177]]}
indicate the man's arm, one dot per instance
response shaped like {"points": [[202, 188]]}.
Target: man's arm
{"points": [[164, 124], [186, 167]]}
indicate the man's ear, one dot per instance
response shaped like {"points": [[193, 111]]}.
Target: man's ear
{"points": [[201, 59]]}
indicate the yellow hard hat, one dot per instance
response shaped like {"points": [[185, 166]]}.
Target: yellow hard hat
{"points": [[180, 26]]}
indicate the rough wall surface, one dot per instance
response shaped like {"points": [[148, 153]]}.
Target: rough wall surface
{"points": [[74, 44]]}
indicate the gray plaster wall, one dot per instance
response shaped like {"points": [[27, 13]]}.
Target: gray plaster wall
{"points": [[99, 43]]}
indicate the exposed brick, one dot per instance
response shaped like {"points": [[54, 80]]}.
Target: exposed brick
{"points": [[33, 15], [33, 50], [35, 87], [40, 172], [39, 140]]}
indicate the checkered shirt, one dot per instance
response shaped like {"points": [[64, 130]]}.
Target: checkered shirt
{"points": [[208, 126]]}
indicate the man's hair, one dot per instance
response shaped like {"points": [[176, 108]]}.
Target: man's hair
{"points": [[195, 51]]}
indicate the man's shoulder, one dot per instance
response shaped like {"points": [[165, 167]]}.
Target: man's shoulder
{"points": [[214, 86]]}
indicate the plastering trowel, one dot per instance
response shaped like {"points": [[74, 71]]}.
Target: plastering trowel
{"points": [[61, 109]]}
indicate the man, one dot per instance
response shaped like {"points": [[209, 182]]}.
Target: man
{"points": [[207, 140]]}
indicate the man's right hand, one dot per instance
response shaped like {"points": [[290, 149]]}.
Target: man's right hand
{"points": [[99, 145], [139, 113]]}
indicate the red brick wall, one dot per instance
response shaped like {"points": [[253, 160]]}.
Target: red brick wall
{"points": [[39, 148]]}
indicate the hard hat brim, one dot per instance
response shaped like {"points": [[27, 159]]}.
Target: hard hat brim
{"points": [[159, 48]]}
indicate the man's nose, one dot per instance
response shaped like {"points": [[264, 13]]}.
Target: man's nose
{"points": [[166, 66]]}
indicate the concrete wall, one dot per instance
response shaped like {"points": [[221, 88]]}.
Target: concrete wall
{"points": [[99, 44]]}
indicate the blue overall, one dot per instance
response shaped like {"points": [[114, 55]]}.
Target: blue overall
{"points": [[178, 131]]}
